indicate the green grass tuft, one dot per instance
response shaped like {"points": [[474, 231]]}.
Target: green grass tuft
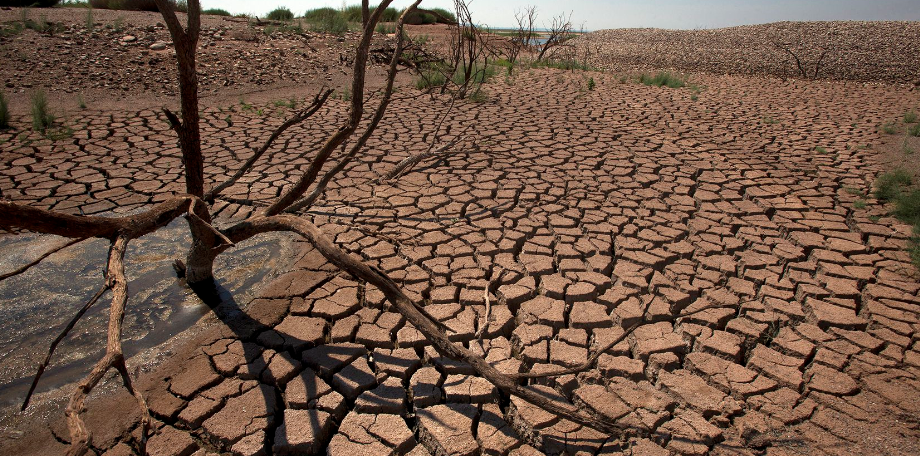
{"points": [[910, 117], [913, 130], [888, 128], [280, 14], [216, 12], [327, 20], [42, 118], [663, 78], [897, 188], [4, 113]]}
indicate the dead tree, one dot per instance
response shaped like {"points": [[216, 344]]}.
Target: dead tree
{"points": [[208, 241], [523, 37], [803, 67], [560, 31], [465, 68]]}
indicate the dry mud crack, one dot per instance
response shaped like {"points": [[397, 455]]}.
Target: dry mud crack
{"points": [[580, 212]]}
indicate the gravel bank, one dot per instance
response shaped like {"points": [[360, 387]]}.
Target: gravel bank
{"points": [[862, 51]]}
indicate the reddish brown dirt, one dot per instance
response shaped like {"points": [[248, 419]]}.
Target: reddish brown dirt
{"points": [[577, 210]]}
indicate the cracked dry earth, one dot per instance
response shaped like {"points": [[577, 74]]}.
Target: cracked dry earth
{"points": [[580, 212]]}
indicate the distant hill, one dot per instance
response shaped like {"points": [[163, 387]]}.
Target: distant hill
{"points": [[850, 50]]}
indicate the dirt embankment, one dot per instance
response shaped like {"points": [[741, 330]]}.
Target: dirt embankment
{"points": [[860, 51]]}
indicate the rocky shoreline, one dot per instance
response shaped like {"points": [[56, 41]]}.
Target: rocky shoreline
{"points": [[886, 51]]}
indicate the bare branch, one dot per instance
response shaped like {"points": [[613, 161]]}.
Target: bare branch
{"points": [[185, 43], [57, 340], [560, 31], [114, 357], [346, 130], [39, 259], [408, 163], [372, 126], [14, 215], [410, 310], [301, 116]]}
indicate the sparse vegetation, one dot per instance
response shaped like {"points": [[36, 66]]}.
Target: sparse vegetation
{"points": [[327, 20], [898, 188], [4, 113], [913, 130], [81, 103], [216, 12], [910, 117], [386, 29], [888, 128], [280, 14], [135, 5], [42, 118], [663, 78], [821, 150], [591, 84]]}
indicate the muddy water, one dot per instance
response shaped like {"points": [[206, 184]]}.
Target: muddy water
{"points": [[36, 305]]}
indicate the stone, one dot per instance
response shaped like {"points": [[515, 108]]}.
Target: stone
{"points": [[361, 434], [826, 380], [387, 398], [243, 415], [447, 429], [353, 379], [170, 441], [302, 432]]}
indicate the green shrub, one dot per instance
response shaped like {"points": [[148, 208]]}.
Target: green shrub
{"points": [[327, 20], [386, 29], [353, 13], [591, 83], [390, 14], [42, 119], [910, 117], [216, 12], [29, 3], [417, 18], [135, 5], [913, 130], [280, 14], [561, 65], [663, 78], [430, 78], [445, 13], [888, 128], [4, 113], [479, 74], [897, 187]]}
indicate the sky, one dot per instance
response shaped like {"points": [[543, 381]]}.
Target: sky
{"points": [[602, 14]]}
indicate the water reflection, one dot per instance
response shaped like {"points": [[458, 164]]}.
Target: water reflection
{"points": [[36, 305]]}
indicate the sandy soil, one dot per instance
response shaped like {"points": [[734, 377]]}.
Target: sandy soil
{"points": [[580, 211]]}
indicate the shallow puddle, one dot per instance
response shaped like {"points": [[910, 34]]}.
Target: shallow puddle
{"points": [[35, 306]]}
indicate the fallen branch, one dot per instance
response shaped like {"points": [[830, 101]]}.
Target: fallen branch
{"points": [[410, 310], [57, 340], [408, 163], [39, 259], [301, 116], [113, 358]]}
